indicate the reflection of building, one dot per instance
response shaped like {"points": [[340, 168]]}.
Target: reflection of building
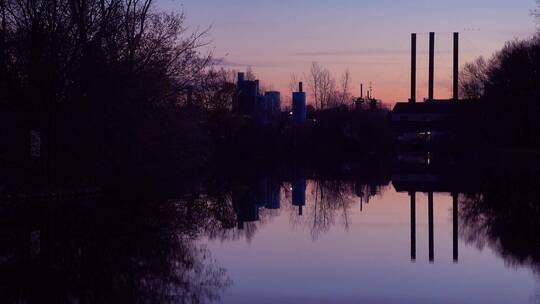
{"points": [[247, 201], [245, 205], [431, 240], [433, 172], [268, 194], [273, 201], [365, 192], [299, 193]]}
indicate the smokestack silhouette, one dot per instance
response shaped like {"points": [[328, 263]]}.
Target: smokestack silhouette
{"points": [[430, 224], [456, 67], [300, 87], [431, 65], [361, 90], [413, 68]]}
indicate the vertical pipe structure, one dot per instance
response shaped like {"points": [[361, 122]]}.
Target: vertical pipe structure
{"points": [[455, 247], [413, 226], [240, 86], [361, 90], [299, 105], [413, 68], [456, 68], [257, 86], [431, 66], [430, 218]]}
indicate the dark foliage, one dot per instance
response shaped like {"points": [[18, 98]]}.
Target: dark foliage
{"points": [[507, 86]]}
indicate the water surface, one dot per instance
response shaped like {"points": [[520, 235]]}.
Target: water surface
{"points": [[408, 238], [347, 249]]}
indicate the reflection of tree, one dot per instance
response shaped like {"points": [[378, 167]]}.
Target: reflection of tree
{"points": [[326, 200], [505, 216], [238, 209], [123, 252], [367, 192], [232, 206]]}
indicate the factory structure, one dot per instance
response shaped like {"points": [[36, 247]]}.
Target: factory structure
{"points": [[368, 100], [265, 194], [433, 119], [266, 108]]}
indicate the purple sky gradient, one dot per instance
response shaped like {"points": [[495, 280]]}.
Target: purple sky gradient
{"points": [[370, 38]]}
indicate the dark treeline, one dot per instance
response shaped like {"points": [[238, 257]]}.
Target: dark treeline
{"points": [[329, 135], [132, 248], [91, 90], [507, 87], [110, 250], [95, 90], [504, 214], [95, 85]]}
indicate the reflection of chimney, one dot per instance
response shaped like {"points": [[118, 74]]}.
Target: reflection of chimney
{"points": [[430, 219], [455, 227], [431, 65], [456, 67], [413, 225], [299, 194], [413, 68]]}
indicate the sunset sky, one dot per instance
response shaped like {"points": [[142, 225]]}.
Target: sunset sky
{"points": [[371, 38]]}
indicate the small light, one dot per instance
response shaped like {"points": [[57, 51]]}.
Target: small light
{"points": [[290, 113]]}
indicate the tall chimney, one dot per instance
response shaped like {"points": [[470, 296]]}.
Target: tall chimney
{"points": [[413, 68], [431, 65], [456, 67], [361, 90], [300, 87], [257, 83]]}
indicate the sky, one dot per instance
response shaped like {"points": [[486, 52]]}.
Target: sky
{"points": [[371, 38]]}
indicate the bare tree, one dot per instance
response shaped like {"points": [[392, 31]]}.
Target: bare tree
{"points": [[218, 90], [250, 75], [293, 82], [473, 78], [536, 12], [322, 85], [64, 49], [345, 83]]}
